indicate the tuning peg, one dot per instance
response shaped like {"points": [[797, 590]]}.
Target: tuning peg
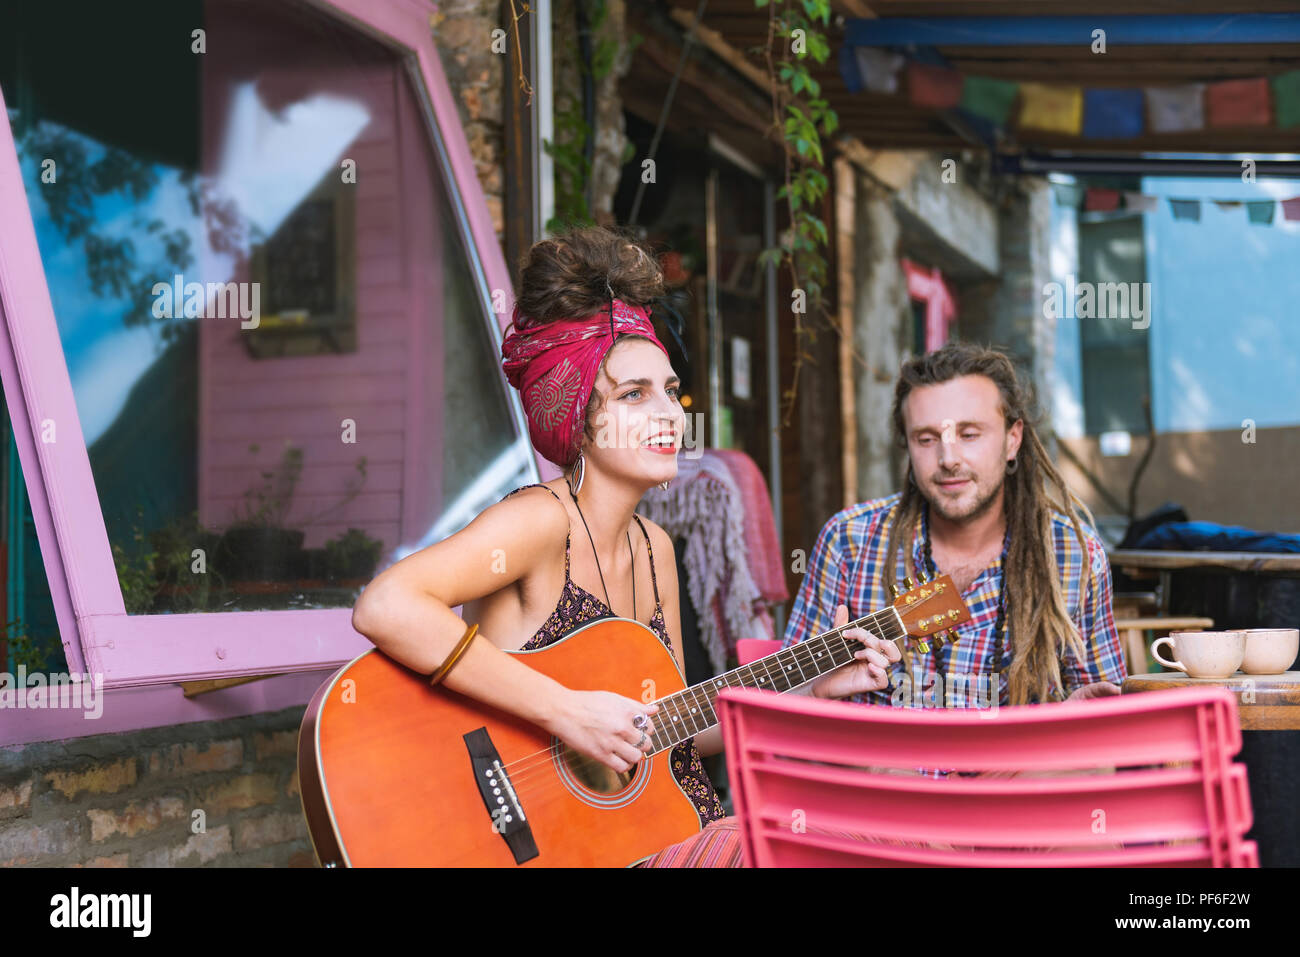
{"points": [[908, 584], [893, 591], [923, 647]]}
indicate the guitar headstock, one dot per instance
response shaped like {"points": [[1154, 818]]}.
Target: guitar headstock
{"points": [[930, 610]]}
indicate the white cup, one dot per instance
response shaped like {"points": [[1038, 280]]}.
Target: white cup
{"points": [[1203, 654], [1270, 651]]}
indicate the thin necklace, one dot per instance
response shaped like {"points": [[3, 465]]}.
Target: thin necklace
{"points": [[999, 628], [597, 556]]}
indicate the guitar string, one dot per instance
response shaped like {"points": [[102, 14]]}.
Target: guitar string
{"points": [[544, 758], [804, 650], [518, 770], [529, 782], [804, 653]]}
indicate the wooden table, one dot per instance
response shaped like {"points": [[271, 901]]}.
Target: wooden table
{"points": [[1269, 706]]}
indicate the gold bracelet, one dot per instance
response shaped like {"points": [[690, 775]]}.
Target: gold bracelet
{"points": [[455, 656]]}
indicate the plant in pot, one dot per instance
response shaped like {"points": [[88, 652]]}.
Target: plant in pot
{"points": [[256, 546], [352, 555], [187, 588]]}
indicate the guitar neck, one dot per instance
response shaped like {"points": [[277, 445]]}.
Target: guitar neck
{"points": [[691, 711]]}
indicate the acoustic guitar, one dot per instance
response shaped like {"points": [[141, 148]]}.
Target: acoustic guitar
{"points": [[393, 772]]}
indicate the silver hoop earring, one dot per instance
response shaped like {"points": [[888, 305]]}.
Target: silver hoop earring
{"points": [[1012, 465], [581, 469]]}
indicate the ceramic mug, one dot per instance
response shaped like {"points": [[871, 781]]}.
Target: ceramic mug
{"points": [[1270, 651], [1203, 654]]}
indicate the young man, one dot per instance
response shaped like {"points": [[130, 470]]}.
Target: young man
{"points": [[974, 506]]}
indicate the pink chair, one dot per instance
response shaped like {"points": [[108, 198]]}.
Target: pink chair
{"points": [[811, 784], [749, 650]]}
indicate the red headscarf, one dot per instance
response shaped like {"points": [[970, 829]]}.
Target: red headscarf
{"points": [[554, 365]]}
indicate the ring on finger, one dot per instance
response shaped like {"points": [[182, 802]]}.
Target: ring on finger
{"points": [[642, 741]]}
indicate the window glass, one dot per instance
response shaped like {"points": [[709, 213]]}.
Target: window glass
{"points": [[283, 364]]}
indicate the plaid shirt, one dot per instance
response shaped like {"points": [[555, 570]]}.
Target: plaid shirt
{"points": [[847, 567]]}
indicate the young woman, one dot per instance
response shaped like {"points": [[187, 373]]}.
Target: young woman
{"points": [[602, 402]]}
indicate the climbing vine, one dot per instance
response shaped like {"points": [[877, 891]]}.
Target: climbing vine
{"points": [[568, 150], [795, 40]]}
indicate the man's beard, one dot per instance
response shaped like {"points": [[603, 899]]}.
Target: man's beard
{"points": [[981, 506]]}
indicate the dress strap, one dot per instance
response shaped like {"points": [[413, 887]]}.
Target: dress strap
{"points": [[651, 552], [569, 534]]}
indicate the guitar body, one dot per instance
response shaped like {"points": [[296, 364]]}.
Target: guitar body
{"points": [[387, 778]]}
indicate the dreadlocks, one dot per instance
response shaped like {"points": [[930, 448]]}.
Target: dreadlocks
{"points": [[1038, 621]]}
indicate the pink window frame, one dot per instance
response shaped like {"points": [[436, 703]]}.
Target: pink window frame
{"points": [[99, 637]]}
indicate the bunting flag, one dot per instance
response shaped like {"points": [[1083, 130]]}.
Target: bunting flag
{"points": [[935, 87], [878, 69], [1058, 109], [1101, 200], [1261, 212], [1141, 202], [988, 98], [1176, 109], [1112, 114], [1094, 112], [1286, 98], [1068, 194], [1238, 103]]}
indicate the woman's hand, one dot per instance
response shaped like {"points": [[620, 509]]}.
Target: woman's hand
{"points": [[869, 673], [599, 724]]}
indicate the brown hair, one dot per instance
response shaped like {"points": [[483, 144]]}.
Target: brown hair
{"points": [[565, 277], [1041, 629]]}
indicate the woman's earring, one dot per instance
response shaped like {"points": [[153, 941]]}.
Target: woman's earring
{"points": [[581, 469]]}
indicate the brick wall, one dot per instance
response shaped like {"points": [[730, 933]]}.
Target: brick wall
{"points": [[130, 800]]}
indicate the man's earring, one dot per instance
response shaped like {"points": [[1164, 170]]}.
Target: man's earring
{"points": [[664, 485], [1012, 465]]}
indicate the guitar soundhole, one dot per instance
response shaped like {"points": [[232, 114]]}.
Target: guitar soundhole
{"points": [[593, 775]]}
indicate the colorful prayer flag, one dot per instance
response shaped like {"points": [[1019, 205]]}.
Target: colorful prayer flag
{"points": [[1260, 212], [1238, 103], [1055, 108], [936, 87], [1291, 209], [1189, 209], [1101, 200], [1140, 201], [1067, 195], [1176, 109], [878, 69], [1227, 204], [1112, 114], [1286, 98], [989, 98]]}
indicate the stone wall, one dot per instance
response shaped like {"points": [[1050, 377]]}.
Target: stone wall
{"points": [[133, 799]]}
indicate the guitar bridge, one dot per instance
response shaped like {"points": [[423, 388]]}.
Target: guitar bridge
{"points": [[505, 812]]}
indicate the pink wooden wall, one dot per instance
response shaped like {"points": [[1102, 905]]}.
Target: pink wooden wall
{"points": [[391, 385]]}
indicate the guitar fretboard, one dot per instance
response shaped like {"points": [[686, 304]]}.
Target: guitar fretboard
{"points": [[690, 712]]}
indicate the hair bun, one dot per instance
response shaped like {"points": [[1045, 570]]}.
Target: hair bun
{"points": [[573, 274]]}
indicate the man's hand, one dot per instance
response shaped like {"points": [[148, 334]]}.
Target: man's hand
{"points": [[869, 673], [1098, 689]]}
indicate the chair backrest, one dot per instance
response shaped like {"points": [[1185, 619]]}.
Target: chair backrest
{"points": [[749, 650], [1133, 780]]}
